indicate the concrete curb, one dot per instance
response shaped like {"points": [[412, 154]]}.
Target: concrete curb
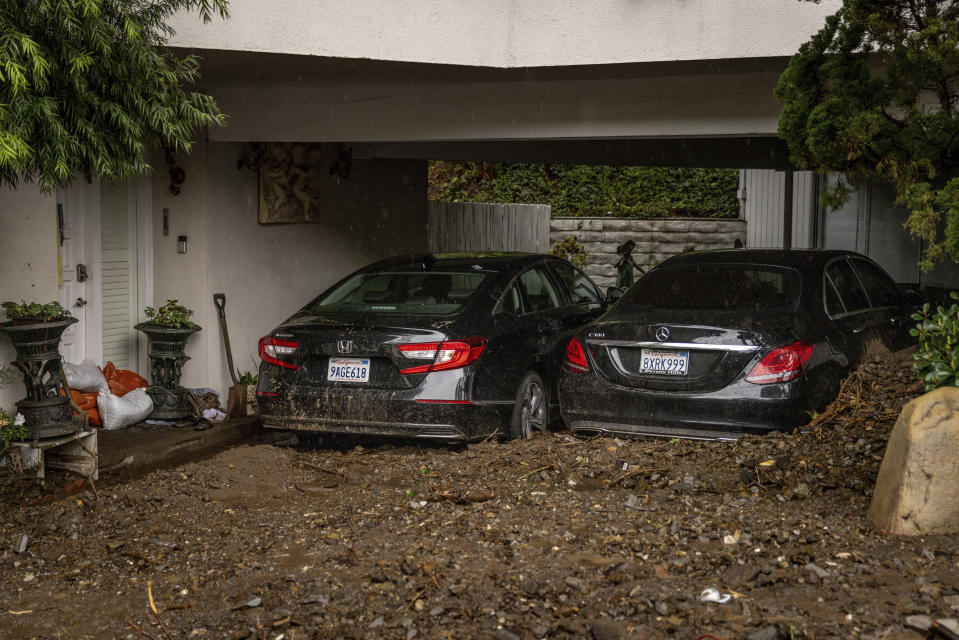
{"points": [[141, 449]]}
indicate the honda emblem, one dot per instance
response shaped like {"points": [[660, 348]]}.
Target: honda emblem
{"points": [[344, 346]]}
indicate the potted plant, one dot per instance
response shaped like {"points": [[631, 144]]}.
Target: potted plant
{"points": [[35, 330], [168, 328], [24, 312]]}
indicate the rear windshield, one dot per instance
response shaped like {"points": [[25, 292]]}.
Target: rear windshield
{"points": [[717, 286], [415, 292]]}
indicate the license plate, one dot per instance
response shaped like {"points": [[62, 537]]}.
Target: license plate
{"points": [[348, 370], [667, 363]]}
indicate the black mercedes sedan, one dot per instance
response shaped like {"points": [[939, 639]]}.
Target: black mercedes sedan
{"points": [[452, 347], [716, 344]]}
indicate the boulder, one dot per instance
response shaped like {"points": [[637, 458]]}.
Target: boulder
{"points": [[917, 491]]}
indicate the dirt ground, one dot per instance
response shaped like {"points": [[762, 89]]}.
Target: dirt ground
{"points": [[545, 538]]}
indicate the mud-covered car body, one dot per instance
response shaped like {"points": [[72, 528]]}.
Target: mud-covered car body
{"points": [[445, 340], [715, 344]]}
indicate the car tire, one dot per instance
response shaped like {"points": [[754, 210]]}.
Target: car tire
{"points": [[531, 410]]}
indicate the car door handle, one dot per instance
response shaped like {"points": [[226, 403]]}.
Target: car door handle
{"points": [[858, 330], [551, 325]]}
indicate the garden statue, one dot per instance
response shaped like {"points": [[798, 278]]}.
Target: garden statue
{"points": [[625, 265]]}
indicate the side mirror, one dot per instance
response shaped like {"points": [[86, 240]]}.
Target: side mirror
{"points": [[613, 294]]}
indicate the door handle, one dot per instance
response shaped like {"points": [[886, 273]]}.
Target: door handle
{"points": [[80, 303], [858, 330]]}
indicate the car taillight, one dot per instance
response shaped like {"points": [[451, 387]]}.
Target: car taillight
{"points": [[782, 364], [576, 357], [274, 350], [451, 354]]}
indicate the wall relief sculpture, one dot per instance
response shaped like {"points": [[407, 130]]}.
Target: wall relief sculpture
{"points": [[289, 183]]}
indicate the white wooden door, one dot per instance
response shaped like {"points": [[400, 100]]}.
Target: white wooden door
{"points": [[72, 291]]}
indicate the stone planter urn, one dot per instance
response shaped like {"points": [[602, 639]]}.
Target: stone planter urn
{"points": [[167, 351], [45, 409]]}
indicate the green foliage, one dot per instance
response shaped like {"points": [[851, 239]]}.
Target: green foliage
{"points": [[873, 95], [247, 377], [579, 190], [171, 314], [88, 86], [11, 430], [23, 309], [569, 248], [937, 363]]}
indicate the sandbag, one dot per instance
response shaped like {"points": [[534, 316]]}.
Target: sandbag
{"points": [[122, 380], [117, 412], [84, 377], [87, 402]]}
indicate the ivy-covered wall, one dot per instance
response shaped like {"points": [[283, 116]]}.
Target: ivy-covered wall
{"points": [[588, 190]]}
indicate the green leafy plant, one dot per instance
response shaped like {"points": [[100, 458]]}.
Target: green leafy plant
{"points": [[937, 363], [247, 377], [63, 65], [172, 314], [590, 190], [569, 248], [34, 310], [873, 98], [11, 429]]}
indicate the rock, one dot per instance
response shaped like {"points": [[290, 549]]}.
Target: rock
{"points": [[21, 545], [819, 571], [766, 633], [917, 490], [606, 630], [575, 583], [740, 574], [378, 622]]}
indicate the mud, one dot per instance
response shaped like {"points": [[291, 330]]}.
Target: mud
{"points": [[546, 538]]}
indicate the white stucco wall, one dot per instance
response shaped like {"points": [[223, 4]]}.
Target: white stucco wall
{"points": [[512, 33], [28, 262], [269, 271]]}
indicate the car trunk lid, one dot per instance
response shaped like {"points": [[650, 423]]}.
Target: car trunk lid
{"points": [[347, 344], [673, 350]]}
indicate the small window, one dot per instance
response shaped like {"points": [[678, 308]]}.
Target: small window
{"points": [[882, 291], [847, 285], [581, 288], [512, 301], [540, 292], [833, 303]]}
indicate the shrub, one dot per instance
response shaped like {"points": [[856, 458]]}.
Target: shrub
{"points": [[937, 363], [569, 248]]}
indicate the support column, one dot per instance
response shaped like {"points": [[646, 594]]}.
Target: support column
{"points": [[788, 209]]}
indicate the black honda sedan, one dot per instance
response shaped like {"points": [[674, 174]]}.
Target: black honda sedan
{"points": [[453, 347], [715, 344]]}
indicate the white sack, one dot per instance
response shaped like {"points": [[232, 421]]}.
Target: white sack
{"points": [[85, 377], [117, 412]]}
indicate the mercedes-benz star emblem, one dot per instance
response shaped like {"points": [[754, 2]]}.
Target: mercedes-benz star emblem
{"points": [[344, 346], [662, 334]]}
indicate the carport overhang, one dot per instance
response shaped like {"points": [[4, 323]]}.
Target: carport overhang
{"points": [[744, 152], [708, 113]]}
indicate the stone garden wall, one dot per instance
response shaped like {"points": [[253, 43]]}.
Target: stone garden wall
{"points": [[656, 239]]}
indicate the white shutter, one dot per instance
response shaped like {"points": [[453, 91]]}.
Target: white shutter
{"points": [[118, 270]]}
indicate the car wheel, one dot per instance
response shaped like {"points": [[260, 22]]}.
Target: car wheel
{"points": [[531, 410]]}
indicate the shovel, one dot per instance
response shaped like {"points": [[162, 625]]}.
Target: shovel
{"points": [[236, 399]]}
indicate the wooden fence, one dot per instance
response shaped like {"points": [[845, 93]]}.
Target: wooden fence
{"points": [[472, 226]]}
